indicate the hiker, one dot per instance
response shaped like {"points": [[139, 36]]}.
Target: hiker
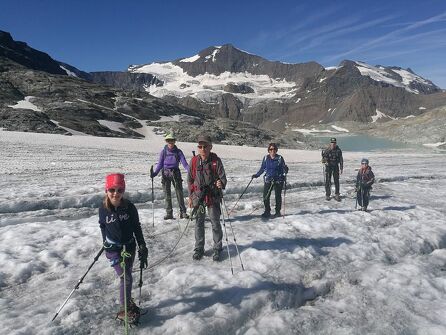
{"points": [[121, 232], [334, 164], [364, 182], [169, 162], [275, 170], [206, 179]]}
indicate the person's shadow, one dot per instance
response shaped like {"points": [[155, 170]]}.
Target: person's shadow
{"points": [[284, 295]]}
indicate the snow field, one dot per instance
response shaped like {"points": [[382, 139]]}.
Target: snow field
{"points": [[324, 268]]}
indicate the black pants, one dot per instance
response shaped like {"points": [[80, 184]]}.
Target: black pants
{"points": [[175, 178], [331, 170], [267, 190], [363, 196]]}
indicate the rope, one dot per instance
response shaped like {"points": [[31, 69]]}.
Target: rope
{"points": [[124, 255]]}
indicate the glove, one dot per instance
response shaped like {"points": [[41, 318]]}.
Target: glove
{"points": [[143, 253], [324, 161], [152, 175], [285, 169], [107, 245], [253, 176]]}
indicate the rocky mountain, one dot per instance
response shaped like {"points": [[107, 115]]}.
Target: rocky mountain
{"points": [[228, 82], [40, 94], [239, 97]]}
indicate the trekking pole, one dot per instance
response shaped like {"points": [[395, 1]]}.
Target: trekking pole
{"points": [[233, 234], [78, 283], [362, 198], [124, 255], [284, 194], [226, 234], [241, 195], [140, 281], [153, 198]]}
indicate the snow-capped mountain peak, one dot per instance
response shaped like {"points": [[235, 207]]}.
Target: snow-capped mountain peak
{"points": [[396, 76]]}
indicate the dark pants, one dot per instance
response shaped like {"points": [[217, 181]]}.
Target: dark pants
{"points": [[363, 196], [331, 170], [173, 177], [115, 260], [214, 212], [267, 190]]}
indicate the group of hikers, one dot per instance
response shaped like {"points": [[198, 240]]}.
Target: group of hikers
{"points": [[206, 178]]}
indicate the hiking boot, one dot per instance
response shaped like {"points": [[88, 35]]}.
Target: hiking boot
{"points": [[337, 197], [277, 214], [168, 216], [266, 215], [132, 315], [216, 255], [327, 197], [184, 215], [132, 306], [198, 254]]}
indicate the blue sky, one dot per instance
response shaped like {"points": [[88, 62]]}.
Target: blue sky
{"points": [[100, 35]]}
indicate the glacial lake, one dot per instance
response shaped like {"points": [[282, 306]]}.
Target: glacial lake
{"points": [[363, 143]]}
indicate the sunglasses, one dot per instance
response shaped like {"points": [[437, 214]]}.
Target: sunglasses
{"points": [[113, 190], [202, 146], [272, 149]]}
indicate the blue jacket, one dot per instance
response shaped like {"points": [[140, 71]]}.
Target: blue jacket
{"points": [[121, 225], [274, 169]]}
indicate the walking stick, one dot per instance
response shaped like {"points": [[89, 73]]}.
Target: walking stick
{"points": [[233, 234], [140, 281], [241, 195], [284, 195], [226, 234], [78, 283], [362, 198], [153, 198]]}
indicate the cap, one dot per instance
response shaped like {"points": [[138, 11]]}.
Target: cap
{"points": [[204, 138], [170, 136], [114, 180], [364, 161], [333, 140]]}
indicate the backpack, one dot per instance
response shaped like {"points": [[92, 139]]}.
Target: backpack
{"points": [[193, 167], [177, 156]]}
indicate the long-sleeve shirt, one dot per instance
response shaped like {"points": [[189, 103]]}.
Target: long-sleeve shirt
{"points": [[121, 225], [274, 168], [365, 178], [170, 159], [333, 157]]}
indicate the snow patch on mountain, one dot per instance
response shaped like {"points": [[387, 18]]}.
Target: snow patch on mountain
{"points": [[341, 129], [409, 77], [112, 125], [208, 87], [26, 104], [70, 73], [380, 115], [71, 131], [214, 53], [382, 74], [434, 145], [190, 59]]}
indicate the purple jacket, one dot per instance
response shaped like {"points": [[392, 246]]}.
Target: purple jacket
{"points": [[170, 159]]}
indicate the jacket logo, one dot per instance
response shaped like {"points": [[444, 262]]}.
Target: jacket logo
{"points": [[123, 217], [112, 218]]}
